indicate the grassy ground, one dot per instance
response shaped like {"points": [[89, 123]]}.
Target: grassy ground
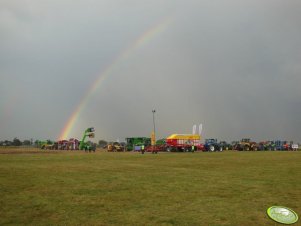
{"points": [[76, 188]]}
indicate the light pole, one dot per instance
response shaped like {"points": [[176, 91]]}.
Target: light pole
{"points": [[154, 132]]}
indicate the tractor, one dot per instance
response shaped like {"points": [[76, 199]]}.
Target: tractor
{"points": [[135, 143], [234, 145], [87, 146], [246, 145], [225, 145], [115, 146], [270, 145], [212, 145], [46, 145]]}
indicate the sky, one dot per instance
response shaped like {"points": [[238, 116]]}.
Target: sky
{"points": [[232, 65]]}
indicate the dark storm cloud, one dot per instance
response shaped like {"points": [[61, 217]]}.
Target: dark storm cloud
{"points": [[232, 65]]}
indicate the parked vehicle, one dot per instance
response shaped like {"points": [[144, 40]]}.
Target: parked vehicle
{"points": [[183, 142], [225, 145], [115, 147], [87, 146], [212, 145], [135, 143], [246, 145]]}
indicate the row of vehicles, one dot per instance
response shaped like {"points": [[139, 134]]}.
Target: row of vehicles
{"points": [[191, 143], [71, 144]]}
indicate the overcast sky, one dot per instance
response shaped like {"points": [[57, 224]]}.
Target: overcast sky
{"points": [[232, 65]]}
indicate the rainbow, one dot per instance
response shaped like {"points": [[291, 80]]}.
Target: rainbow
{"points": [[138, 43]]}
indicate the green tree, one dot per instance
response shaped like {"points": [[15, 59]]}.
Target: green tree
{"points": [[102, 143], [16, 142], [26, 142]]}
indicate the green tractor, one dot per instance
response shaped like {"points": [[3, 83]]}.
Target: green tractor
{"points": [[48, 144], [134, 143], [88, 146], [225, 145]]}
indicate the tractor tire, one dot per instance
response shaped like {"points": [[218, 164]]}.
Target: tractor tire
{"points": [[247, 148], [211, 148]]}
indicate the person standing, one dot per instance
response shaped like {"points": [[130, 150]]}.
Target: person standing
{"points": [[192, 148], [142, 149]]}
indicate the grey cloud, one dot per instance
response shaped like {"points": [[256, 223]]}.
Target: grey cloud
{"points": [[232, 65]]}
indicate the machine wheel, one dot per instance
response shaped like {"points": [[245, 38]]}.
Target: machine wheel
{"points": [[211, 148], [247, 148]]}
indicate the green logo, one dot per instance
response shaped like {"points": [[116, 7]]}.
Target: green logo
{"points": [[282, 215]]}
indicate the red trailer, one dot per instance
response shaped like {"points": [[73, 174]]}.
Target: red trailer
{"points": [[156, 148], [73, 144], [184, 142], [62, 145]]}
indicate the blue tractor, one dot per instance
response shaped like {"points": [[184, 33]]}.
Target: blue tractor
{"points": [[212, 145], [281, 145]]}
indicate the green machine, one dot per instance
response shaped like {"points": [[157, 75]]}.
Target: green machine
{"points": [[87, 146], [132, 143], [44, 144]]}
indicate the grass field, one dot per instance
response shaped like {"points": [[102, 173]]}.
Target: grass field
{"points": [[76, 188]]}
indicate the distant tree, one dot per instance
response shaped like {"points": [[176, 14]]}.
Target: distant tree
{"points": [[16, 142], [49, 142], [26, 142], [7, 143], [102, 143], [36, 143]]}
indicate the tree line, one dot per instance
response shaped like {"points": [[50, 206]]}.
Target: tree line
{"points": [[30, 142]]}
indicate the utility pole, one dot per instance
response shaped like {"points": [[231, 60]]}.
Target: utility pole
{"points": [[154, 111], [154, 132]]}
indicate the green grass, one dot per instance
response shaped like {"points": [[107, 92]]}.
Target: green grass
{"points": [[75, 188]]}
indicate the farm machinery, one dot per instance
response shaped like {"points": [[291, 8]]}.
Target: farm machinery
{"points": [[268, 146], [287, 146], [246, 145], [71, 144], [47, 145], [184, 142], [115, 146], [277, 145], [212, 145], [225, 145], [136, 143], [87, 146], [160, 145]]}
